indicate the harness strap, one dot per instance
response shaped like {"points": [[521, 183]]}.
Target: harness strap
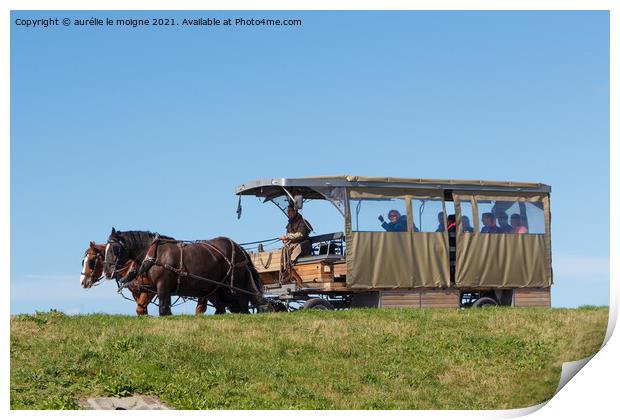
{"points": [[181, 273], [231, 270], [151, 253], [268, 263], [119, 284], [231, 262]]}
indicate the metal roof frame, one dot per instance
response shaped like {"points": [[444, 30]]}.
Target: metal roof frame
{"points": [[265, 187]]}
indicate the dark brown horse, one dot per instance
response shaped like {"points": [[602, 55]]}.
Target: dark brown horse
{"points": [[92, 272], [219, 269]]}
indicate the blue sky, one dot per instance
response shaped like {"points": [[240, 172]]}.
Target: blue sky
{"points": [[152, 128]]}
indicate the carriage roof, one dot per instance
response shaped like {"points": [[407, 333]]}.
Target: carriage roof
{"points": [[270, 187]]}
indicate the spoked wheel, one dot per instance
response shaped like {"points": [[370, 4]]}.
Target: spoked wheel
{"points": [[318, 303], [484, 302]]}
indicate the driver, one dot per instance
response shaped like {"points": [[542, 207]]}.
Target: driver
{"points": [[297, 229], [295, 243]]}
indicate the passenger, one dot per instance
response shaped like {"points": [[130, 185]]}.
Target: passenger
{"points": [[517, 224], [466, 225], [440, 226], [488, 220], [502, 220], [452, 245], [452, 223], [397, 222]]}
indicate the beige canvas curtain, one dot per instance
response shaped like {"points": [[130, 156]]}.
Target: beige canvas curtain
{"points": [[396, 259], [502, 260]]}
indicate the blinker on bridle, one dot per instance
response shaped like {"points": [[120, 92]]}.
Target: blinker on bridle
{"points": [[116, 251]]}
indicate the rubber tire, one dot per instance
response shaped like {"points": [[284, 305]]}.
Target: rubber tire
{"points": [[484, 301], [319, 304], [278, 306]]}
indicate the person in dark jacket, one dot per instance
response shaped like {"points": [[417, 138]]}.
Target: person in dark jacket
{"points": [[502, 221], [397, 222], [296, 244], [297, 229], [488, 220], [466, 225], [440, 226]]}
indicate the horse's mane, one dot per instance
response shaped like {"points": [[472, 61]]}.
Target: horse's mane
{"points": [[137, 240]]}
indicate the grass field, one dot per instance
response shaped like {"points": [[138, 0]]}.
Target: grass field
{"points": [[492, 358]]}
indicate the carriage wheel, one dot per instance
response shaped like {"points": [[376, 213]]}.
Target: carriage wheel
{"points": [[484, 302], [318, 303], [278, 306]]}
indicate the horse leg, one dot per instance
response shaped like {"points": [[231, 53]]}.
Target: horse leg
{"points": [[243, 306], [218, 303], [164, 300], [143, 302], [135, 293], [201, 307]]}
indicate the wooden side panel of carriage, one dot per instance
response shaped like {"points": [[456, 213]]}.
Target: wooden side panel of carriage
{"points": [[422, 298], [340, 271], [317, 272], [399, 299], [266, 261], [268, 265], [528, 298], [313, 274]]}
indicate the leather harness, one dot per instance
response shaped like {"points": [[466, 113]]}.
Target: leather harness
{"points": [[182, 272]]}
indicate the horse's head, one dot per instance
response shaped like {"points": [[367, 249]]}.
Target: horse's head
{"points": [[92, 265], [115, 255]]}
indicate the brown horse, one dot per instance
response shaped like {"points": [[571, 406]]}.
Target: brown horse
{"points": [[214, 268], [92, 272]]}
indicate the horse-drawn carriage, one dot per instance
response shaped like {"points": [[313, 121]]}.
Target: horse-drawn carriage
{"points": [[461, 243], [447, 244]]}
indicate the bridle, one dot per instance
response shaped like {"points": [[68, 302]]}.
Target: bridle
{"points": [[117, 248], [92, 264]]}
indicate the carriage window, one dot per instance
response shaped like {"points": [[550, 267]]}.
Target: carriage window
{"points": [[427, 215], [467, 217], [489, 218], [335, 195], [518, 217], [535, 220], [379, 215]]}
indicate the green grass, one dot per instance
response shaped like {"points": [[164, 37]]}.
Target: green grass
{"points": [[494, 358]]}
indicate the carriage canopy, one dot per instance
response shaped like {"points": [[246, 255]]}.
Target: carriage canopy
{"points": [[418, 254]]}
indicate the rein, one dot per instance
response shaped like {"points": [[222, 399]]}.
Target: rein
{"points": [[144, 289]]}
